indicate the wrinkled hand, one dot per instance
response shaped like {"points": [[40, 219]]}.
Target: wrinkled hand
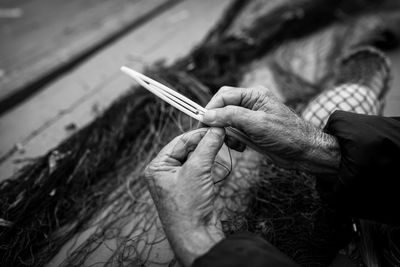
{"points": [[280, 133], [181, 185]]}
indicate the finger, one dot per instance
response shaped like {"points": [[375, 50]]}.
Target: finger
{"points": [[234, 144], [227, 96], [208, 147], [200, 125], [236, 96], [235, 116], [176, 152]]}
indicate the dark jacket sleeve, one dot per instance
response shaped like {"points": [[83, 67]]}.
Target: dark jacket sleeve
{"points": [[368, 184], [244, 249]]}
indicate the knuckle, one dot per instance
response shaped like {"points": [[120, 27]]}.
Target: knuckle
{"points": [[152, 170], [232, 113], [263, 117], [265, 121], [221, 92], [183, 138], [262, 89], [235, 111], [149, 171], [224, 89]]}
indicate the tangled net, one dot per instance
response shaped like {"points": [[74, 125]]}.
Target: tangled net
{"points": [[85, 202]]}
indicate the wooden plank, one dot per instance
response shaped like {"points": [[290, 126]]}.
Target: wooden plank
{"points": [[50, 34], [39, 124]]}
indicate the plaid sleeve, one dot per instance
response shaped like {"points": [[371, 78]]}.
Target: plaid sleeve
{"points": [[368, 182]]}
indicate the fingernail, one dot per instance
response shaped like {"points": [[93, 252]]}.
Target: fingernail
{"points": [[209, 116], [217, 131]]}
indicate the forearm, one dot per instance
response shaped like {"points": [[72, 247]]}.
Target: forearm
{"points": [[322, 156]]}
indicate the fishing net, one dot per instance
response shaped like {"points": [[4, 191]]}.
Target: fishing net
{"points": [[85, 203]]}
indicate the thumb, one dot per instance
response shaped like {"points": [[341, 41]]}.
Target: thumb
{"points": [[235, 116], [207, 149]]}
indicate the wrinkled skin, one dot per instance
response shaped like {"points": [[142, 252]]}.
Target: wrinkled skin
{"points": [[279, 132], [181, 184]]}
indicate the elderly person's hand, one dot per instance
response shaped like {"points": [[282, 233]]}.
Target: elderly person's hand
{"points": [[283, 136], [181, 185]]}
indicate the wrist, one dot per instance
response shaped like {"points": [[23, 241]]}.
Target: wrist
{"points": [[322, 156], [189, 244]]}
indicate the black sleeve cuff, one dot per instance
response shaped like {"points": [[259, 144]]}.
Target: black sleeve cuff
{"points": [[368, 181], [244, 249]]}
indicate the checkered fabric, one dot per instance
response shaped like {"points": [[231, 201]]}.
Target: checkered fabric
{"points": [[347, 97]]}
